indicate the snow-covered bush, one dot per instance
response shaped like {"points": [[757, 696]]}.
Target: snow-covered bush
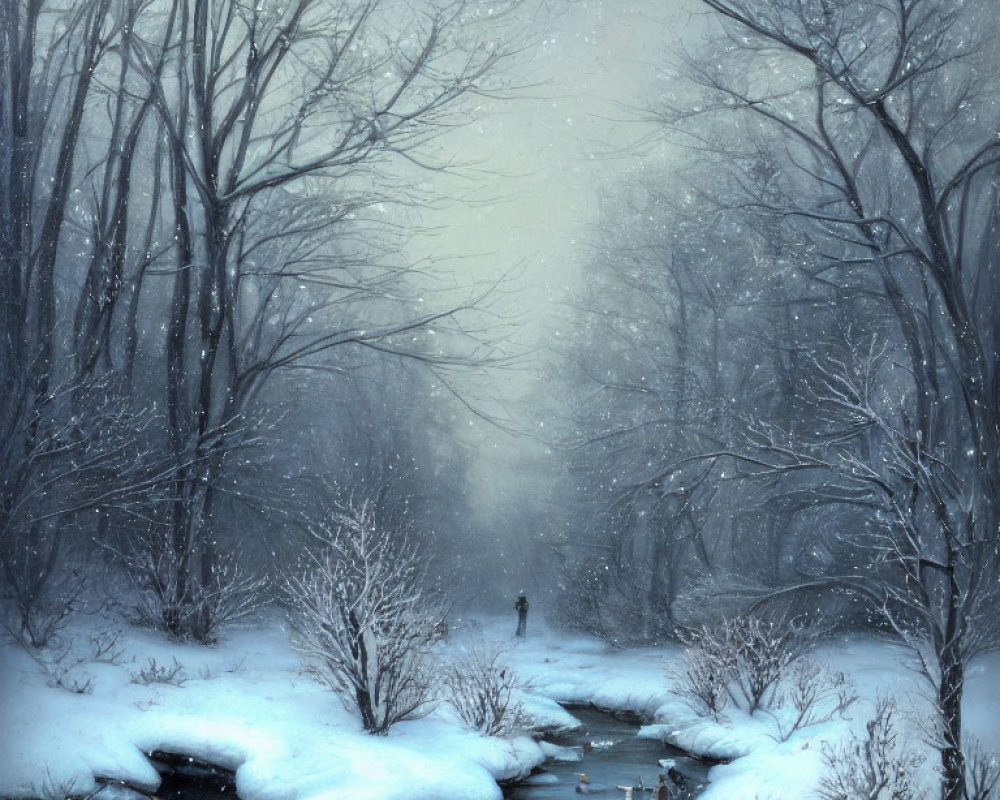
{"points": [[481, 689], [39, 592], [64, 669], [182, 608], [702, 681], [760, 653], [812, 693], [106, 647], [756, 664], [873, 767], [362, 620], [170, 674], [746, 656]]}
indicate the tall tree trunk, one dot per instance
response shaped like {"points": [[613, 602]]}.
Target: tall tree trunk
{"points": [[49, 236], [949, 702]]}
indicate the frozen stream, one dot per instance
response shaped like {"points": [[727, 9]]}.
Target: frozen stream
{"points": [[605, 748], [615, 757]]}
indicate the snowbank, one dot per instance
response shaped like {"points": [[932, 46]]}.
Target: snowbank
{"points": [[244, 705], [581, 670], [247, 705]]}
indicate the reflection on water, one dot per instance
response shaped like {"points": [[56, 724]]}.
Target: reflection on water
{"points": [[607, 750]]}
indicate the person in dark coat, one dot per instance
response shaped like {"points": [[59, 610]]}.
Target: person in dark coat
{"points": [[662, 791], [522, 615]]}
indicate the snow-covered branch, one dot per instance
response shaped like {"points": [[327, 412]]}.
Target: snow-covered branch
{"points": [[362, 621]]}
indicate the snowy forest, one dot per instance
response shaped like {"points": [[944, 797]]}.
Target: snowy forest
{"points": [[340, 337]]}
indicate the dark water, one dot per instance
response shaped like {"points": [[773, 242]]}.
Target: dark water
{"points": [[186, 778], [617, 757], [181, 778]]}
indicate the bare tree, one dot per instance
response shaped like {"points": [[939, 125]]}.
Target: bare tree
{"points": [[885, 128], [75, 438], [926, 573], [362, 619], [49, 464], [47, 72], [277, 116], [481, 689], [243, 252], [984, 772]]}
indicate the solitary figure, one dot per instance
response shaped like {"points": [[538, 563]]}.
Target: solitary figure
{"points": [[522, 614]]}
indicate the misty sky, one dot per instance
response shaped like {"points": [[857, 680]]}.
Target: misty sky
{"points": [[547, 156]]}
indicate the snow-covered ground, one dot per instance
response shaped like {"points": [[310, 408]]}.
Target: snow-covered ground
{"points": [[247, 704], [760, 766]]}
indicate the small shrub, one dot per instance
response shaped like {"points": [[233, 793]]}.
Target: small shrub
{"points": [[816, 694], [873, 767], [53, 789], [481, 690], [172, 674], [63, 669], [759, 653], [758, 665], [201, 611], [747, 657], [702, 682], [35, 608], [70, 678], [105, 647]]}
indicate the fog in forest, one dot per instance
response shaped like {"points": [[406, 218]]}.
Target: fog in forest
{"points": [[666, 314], [526, 211]]}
